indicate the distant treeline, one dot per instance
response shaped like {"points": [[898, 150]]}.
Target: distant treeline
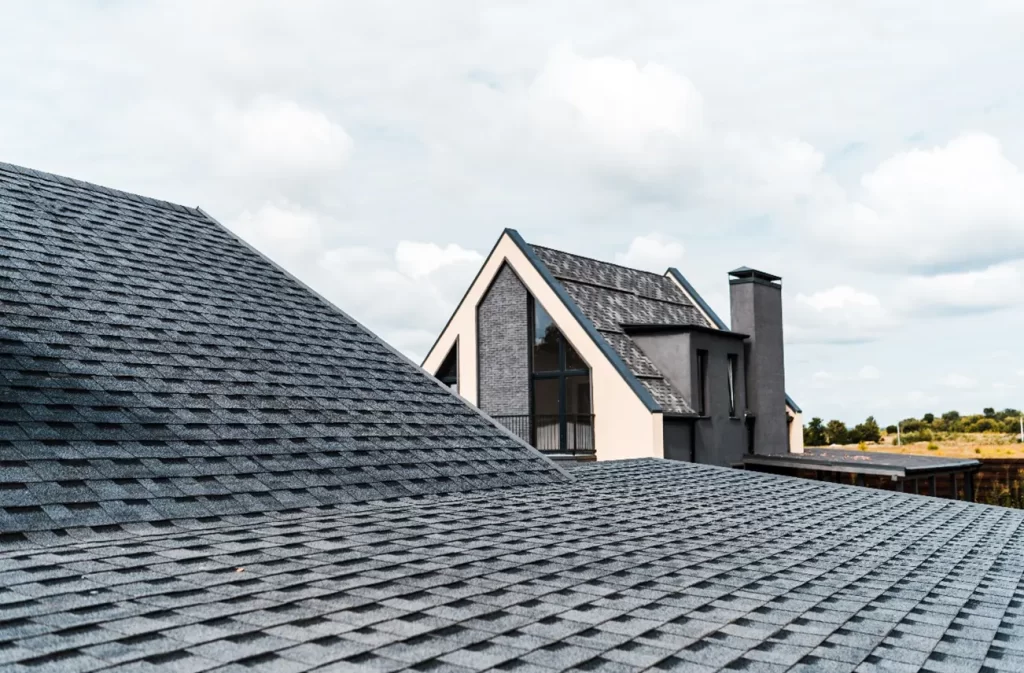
{"points": [[819, 433]]}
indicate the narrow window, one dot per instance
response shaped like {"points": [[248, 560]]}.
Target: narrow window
{"points": [[448, 372], [702, 383], [732, 384]]}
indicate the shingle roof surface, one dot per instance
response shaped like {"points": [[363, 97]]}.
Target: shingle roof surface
{"points": [[898, 463], [612, 296], [638, 565], [152, 367]]}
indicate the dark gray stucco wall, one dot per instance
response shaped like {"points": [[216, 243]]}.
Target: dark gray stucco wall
{"points": [[720, 438], [757, 311], [677, 436], [503, 343]]}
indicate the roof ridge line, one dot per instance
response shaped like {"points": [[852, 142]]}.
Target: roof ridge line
{"points": [[600, 261], [110, 191]]}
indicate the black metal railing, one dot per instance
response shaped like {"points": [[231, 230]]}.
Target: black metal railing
{"points": [[572, 434]]}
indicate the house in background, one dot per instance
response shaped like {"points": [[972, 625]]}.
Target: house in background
{"points": [[588, 359]]}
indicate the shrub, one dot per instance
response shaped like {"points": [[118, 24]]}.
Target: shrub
{"points": [[978, 451], [891, 429], [862, 445], [932, 446]]}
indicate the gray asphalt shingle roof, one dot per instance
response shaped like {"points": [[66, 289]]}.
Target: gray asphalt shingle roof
{"points": [[613, 296], [154, 367], [203, 467], [638, 565]]}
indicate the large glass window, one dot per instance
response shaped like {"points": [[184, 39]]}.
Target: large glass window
{"points": [[448, 372], [562, 414]]}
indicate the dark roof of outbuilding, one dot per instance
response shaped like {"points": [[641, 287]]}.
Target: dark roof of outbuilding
{"points": [[613, 297], [638, 565], [865, 462], [153, 366]]}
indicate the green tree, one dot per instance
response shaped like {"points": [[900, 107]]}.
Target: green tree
{"points": [[951, 416], [814, 433], [911, 425], [891, 429], [928, 418], [869, 431], [989, 412], [836, 432]]}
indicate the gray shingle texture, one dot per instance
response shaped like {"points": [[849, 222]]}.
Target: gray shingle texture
{"points": [[638, 565], [612, 296], [152, 366]]}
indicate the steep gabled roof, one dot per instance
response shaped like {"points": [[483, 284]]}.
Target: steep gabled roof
{"points": [[612, 297], [153, 366]]}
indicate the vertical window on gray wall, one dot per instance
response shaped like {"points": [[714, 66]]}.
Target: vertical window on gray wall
{"points": [[732, 384], [702, 383]]}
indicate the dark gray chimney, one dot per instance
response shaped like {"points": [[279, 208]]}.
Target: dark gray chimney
{"points": [[756, 300]]}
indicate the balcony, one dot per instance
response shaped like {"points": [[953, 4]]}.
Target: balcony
{"points": [[570, 436]]}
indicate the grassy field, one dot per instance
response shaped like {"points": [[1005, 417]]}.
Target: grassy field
{"points": [[956, 445]]}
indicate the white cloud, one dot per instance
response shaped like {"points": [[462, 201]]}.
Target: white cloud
{"points": [[654, 252], [952, 208], [273, 136], [972, 292], [841, 314], [645, 127], [421, 259], [826, 379], [628, 113], [281, 230], [959, 381], [869, 373], [1001, 386]]}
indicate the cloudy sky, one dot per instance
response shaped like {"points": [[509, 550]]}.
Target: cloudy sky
{"points": [[871, 153]]}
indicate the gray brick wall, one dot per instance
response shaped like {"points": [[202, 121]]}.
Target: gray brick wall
{"points": [[503, 323]]}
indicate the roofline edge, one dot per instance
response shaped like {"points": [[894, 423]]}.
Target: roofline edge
{"points": [[613, 357], [508, 433], [462, 301]]}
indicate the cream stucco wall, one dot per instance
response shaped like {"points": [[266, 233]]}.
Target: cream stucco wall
{"points": [[796, 431], [624, 427]]}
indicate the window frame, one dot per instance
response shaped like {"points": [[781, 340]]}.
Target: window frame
{"points": [[702, 382], [733, 360]]}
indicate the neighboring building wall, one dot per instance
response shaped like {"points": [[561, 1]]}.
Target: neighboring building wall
{"points": [[796, 432], [503, 332], [721, 439], [623, 426]]}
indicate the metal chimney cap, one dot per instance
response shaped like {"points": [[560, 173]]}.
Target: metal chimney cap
{"points": [[745, 273]]}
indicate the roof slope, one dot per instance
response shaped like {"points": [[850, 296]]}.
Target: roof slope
{"points": [[613, 296], [153, 366], [639, 565]]}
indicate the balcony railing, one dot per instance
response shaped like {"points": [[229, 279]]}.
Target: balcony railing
{"points": [[572, 434]]}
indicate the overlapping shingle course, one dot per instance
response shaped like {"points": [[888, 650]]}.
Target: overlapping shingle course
{"points": [[639, 565], [155, 367], [613, 296]]}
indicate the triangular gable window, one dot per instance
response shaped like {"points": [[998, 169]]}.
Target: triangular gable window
{"points": [[448, 372]]}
